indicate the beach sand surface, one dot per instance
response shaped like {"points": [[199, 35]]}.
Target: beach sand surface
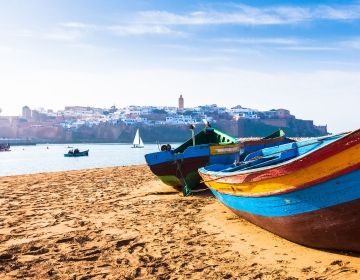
{"points": [[123, 223]]}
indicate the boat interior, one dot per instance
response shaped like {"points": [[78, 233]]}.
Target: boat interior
{"points": [[275, 155], [208, 135]]}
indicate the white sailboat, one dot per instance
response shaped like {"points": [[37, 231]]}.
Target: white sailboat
{"points": [[137, 143]]}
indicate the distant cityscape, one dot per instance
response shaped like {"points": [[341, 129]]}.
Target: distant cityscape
{"points": [[43, 123]]}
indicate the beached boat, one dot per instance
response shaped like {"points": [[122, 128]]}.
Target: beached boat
{"points": [[77, 153], [137, 143], [178, 167], [307, 192], [4, 147]]}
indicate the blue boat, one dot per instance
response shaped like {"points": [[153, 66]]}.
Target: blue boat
{"points": [[77, 153], [178, 167]]}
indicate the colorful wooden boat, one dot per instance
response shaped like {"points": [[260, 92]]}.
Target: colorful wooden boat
{"points": [[307, 192], [178, 167], [77, 154]]}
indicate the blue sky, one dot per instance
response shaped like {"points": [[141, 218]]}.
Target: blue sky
{"points": [[299, 55]]}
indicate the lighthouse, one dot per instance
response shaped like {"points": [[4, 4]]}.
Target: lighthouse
{"points": [[181, 102]]}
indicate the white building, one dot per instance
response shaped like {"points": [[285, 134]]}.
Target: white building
{"points": [[245, 113]]}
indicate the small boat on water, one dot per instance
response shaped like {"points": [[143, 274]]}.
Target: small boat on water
{"points": [[178, 167], [307, 192], [77, 153], [137, 143], [5, 147]]}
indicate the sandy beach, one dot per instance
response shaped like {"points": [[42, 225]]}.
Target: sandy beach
{"points": [[123, 223]]}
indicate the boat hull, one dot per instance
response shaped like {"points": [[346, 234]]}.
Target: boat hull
{"points": [[178, 173], [312, 200], [80, 154], [4, 147], [322, 216], [178, 170], [334, 230]]}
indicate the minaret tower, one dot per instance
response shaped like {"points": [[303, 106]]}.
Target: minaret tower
{"points": [[181, 102]]}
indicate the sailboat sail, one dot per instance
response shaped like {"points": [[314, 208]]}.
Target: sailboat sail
{"points": [[137, 138], [138, 143]]}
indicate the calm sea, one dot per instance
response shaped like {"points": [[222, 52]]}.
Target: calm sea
{"points": [[47, 158]]}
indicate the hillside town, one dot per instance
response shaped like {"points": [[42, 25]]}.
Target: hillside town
{"points": [[47, 124]]}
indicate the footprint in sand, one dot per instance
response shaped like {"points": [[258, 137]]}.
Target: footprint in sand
{"points": [[307, 269], [37, 250], [337, 262], [6, 258], [124, 242]]}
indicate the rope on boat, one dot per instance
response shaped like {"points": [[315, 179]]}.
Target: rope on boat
{"points": [[185, 189], [200, 190]]}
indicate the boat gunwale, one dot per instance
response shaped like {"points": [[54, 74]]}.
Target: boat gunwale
{"points": [[211, 174], [293, 188], [261, 141]]}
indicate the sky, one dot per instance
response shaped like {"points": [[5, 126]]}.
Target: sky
{"points": [[300, 55]]}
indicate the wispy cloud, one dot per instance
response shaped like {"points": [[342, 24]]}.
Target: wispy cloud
{"points": [[78, 25], [348, 12], [250, 15], [166, 23], [162, 22], [353, 43], [310, 48], [243, 16], [202, 58], [262, 41], [129, 29], [141, 29]]}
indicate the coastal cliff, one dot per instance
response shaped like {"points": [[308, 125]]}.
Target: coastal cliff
{"points": [[121, 132]]}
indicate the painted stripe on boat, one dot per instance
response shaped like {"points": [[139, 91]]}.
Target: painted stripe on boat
{"points": [[336, 191], [224, 149], [329, 168], [288, 167]]}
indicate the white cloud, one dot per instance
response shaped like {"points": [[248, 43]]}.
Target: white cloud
{"points": [[141, 29], [160, 22], [262, 41], [128, 29], [353, 43], [79, 25], [310, 48], [337, 13], [249, 15]]}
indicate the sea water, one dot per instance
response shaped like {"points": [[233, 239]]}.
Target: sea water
{"points": [[48, 158]]}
